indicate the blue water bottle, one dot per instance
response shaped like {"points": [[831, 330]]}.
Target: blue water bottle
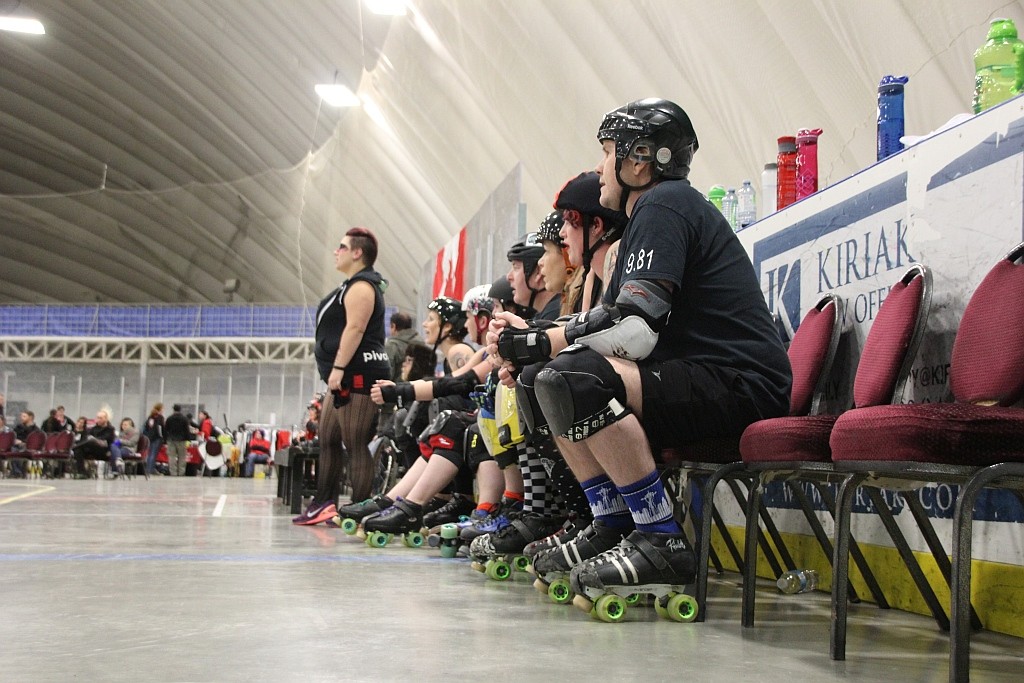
{"points": [[890, 115]]}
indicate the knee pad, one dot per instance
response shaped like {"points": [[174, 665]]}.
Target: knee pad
{"points": [[475, 450], [526, 399], [444, 436], [581, 394], [510, 427]]}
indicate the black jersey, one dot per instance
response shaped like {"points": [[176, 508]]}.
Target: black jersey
{"points": [[370, 360], [719, 315], [552, 310]]}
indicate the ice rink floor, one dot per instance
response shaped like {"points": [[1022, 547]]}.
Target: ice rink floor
{"points": [[207, 580]]}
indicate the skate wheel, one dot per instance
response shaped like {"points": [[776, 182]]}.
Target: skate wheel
{"points": [[634, 599], [434, 541], [413, 539], [581, 602], [377, 539], [349, 525], [476, 565], [498, 570], [521, 563], [681, 608], [610, 608], [448, 551], [560, 592], [449, 531]]}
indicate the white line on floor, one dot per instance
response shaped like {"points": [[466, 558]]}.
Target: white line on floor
{"points": [[220, 505], [39, 489]]}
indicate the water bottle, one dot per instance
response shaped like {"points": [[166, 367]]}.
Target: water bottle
{"points": [[786, 180], [729, 204], [798, 581], [995, 66], [807, 161], [715, 195], [769, 188], [890, 115], [746, 205]]}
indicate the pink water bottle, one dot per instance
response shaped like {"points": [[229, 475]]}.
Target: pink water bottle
{"points": [[807, 161], [785, 190]]}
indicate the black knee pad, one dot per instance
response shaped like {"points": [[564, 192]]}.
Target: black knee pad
{"points": [[474, 449], [580, 393], [526, 398], [444, 436]]}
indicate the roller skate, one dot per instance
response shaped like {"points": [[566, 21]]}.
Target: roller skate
{"points": [[457, 509], [404, 518], [552, 567], [662, 565], [446, 536], [568, 531], [497, 519], [349, 518], [502, 551]]}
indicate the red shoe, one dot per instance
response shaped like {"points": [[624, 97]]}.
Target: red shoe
{"points": [[315, 514]]}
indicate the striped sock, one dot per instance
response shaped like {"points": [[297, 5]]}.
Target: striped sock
{"points": [[606, 503], [649, 505]]}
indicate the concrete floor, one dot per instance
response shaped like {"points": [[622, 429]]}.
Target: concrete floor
{"points": [[207, 580]]}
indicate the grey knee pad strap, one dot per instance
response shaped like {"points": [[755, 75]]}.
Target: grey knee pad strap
{"points": [[581, 394]]}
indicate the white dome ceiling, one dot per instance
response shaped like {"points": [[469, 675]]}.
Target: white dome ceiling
{"points": [[151, 150]]}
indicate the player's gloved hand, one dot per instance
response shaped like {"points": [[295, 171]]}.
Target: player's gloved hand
{"points": [[522, 347]]}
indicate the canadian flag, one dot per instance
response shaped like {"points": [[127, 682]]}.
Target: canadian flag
{"points": [[449, 269]]}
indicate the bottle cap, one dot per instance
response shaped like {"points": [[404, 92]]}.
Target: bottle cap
{"points": [[808, 134], [1001, 29], [771, 167], [892, 83], [716, 191], [787, 143]]}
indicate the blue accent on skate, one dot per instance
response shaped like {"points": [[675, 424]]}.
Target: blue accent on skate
{"points": [[606, 503], [649, 505], [375, 558]]}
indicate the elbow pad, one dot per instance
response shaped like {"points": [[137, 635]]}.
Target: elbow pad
{"points": [[462, 385], [628, 328]]}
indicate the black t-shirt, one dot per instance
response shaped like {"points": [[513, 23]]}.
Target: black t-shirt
{"points": [[719, 315], [552, 310], [370, 360]]}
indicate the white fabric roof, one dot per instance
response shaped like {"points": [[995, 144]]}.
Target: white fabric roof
{"points": [[150, 150]]}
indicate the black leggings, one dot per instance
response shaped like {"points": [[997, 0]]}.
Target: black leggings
{"points": [[347, 428]]}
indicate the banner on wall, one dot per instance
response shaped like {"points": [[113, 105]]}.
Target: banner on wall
{"points": [[450, 267]]}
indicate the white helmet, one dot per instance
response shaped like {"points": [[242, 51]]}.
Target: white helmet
{"points": [[478, 300]]}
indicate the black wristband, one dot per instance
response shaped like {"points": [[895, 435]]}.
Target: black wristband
{"points": [[339, 367], [402, 393], [524, 347]]}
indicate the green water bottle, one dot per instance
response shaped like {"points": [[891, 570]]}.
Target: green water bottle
{"points": [[715, 195], [995, 65]]}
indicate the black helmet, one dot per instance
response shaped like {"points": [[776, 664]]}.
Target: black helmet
{"points": [[550, 228], [658, 124], [450, 311], [583, 194], [502, 291], [528, 250]]}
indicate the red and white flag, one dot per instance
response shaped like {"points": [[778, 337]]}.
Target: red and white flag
{"points": [[449, 269]]}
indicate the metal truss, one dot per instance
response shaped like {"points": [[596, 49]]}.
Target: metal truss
{"points": [[155, 351]]}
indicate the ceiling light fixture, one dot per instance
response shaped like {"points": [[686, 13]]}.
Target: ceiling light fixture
{"points": [[336, 95], [22, 25], [391, 8]]}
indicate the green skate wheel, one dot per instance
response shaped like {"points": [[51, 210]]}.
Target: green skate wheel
{"points": [[349, 525], [449, 531], [610, 608], [377, 539], [449, 551], [413, 539], [497, 570], [634, 599], [660, 609], [521, 563], [560, 592], [681, 608]]}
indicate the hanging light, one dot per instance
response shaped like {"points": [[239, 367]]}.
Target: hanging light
{"points": [[336, 95], [391, 8], [22, 25]]}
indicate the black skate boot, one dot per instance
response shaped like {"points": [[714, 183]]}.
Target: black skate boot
{"points": [[553, 566], [568, 531], [456, 509], [662, 565], [502, 551], [351, 516], [404, 517]]}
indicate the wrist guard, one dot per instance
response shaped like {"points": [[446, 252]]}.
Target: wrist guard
{"points": [[402, 394], [524, 347]]}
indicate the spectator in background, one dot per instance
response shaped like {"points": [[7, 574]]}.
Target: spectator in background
{"points": [[259, 452], [178, 431], [205, 423], [3, 428], [25, 426], [57, 422], [2, 402], [126, 444], [97, 441], [154, 431], [402, 334]]}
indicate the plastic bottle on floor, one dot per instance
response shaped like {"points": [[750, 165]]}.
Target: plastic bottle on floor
{"points": [[798, 581]]}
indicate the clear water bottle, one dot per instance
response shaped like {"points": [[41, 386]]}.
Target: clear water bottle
{"points": [[729, 205], [746, 205], [769, 188], [890, 115], [786, 186], [807, 161], [798, 581], [715, 195], [995, 66]]}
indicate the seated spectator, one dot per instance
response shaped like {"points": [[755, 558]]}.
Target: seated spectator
{"points": [[25, 426], [126, 444], [259, 452], [95, 445], [312, 420], [57, 422]]}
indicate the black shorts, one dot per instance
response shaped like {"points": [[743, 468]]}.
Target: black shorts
{"points": [[685, 402]]}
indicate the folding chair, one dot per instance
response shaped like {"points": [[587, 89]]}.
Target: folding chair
{"points": [[6, 444], [132, 461], [977, 441]]}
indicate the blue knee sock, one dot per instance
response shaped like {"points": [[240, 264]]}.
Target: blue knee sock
{"points": [[649, 505], [606, 503]]}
